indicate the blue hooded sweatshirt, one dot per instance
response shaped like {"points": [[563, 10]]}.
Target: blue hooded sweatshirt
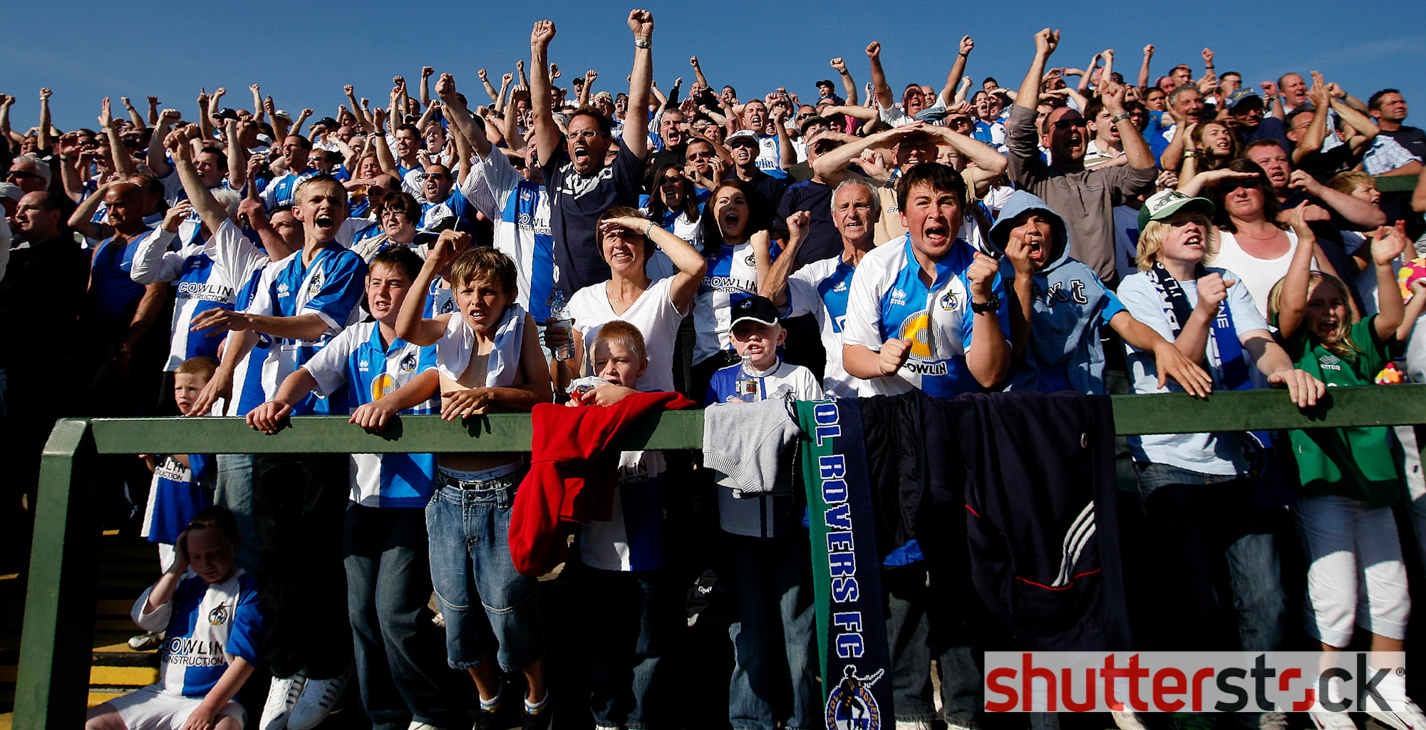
{"points": [[1070, 304]]}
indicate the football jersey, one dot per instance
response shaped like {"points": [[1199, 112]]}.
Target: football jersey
{"points": [[281, 191], [203, 272], [357, 362], [175, 496], [330, 288], [456, 205], [889, 300], [113, 293], [247, 377], [206, 626], [821, 289], [520, 210], [731, 278], [633, 537]]}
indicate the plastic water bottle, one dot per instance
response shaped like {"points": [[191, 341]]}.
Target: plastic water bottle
{"points": [[562, 319], [747, 384]]}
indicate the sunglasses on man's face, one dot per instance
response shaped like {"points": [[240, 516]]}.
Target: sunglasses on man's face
{"points": [[21, 175], [1063, 124]]}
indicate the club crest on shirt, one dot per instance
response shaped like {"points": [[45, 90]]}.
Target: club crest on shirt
{"points": [[851, 704], [751, 260], [218, 616], [408, 363], [382, 385], [917, 328], [316, 283]]}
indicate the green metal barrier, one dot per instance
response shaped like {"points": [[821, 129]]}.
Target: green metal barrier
{"points": [[59, 608], [1396, 183]]}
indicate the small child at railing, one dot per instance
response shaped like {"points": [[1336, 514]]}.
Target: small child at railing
{"points": [[1350, 477]]}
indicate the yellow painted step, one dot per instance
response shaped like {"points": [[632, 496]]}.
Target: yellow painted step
{"points": [[122, 676], [98, 698]]}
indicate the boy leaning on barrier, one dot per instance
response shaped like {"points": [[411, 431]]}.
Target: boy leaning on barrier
{"points": [[384, 540], [489, 359]]}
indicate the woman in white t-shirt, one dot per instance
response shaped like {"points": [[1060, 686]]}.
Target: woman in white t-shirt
{"points": [[1251, 242], [626, 241]]}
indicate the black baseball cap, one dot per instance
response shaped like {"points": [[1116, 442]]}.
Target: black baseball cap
{"points": [[756, 308]]}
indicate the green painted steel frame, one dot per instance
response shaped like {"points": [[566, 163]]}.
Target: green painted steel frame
{"points": [[59, 607]]}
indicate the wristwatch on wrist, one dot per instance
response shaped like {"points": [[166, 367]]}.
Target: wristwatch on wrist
{"points": [[1189, 153], [1120, 117], [641, 43], [990, 306]]}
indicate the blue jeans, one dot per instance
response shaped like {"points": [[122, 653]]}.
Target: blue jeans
{"points": [[775, 609], [919, 629], [396, 646], [628, 626], [471, 565], [234, 490], [1222, 573]]}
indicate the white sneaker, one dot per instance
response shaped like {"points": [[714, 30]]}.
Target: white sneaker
{"points": [[1324, 720], [145, 642], [1404, 715], [317, 701], [1127, 719], [282, 696], [415, 725]]}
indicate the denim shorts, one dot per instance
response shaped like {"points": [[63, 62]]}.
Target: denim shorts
{"points": [[469, 527]]}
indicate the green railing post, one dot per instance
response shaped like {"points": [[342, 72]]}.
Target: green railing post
{"points": [[59, 603]]}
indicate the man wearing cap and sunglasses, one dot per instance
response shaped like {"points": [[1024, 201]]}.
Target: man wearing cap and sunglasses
{"points": [[744, 147], [1085, 198]]}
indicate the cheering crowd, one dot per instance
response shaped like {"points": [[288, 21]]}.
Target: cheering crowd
{"points": [[618, 253]]}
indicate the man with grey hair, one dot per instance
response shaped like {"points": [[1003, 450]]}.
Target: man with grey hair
{"points": [[820, 288], [30, 173]]}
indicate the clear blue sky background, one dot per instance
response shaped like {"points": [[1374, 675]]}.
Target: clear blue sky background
{"points": [[302, 53]]}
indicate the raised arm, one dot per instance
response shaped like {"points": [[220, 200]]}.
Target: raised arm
{"points": [[426, 72], [547, 133], [237, 153], [377, 139], [7, 135], [1388, 245], [881, 91], [1292, 303], [1316, 132], [157, 159], [1135, 147], [989, 164], [958, 71], [460, 117], [636, 125], [134, 116], [43, 135], [1144, 77], [774, 284], [153, 111], [208, 208], [123, 163], [410, 325], [1045, 43], [82, 219]]}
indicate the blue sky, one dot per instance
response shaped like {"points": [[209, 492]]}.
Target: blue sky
{"points": [[302, 53]]}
